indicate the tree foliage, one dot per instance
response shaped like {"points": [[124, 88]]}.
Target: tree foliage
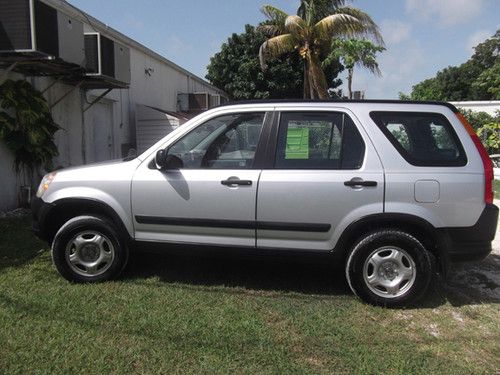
{"points": [[236, 70], [354, 52], [26, 126], [310, 33], [476, 79], [486, 126], [489, 133]]}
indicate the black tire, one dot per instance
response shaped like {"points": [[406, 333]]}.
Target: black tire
{"points": [[370, 262], [88, 228]]}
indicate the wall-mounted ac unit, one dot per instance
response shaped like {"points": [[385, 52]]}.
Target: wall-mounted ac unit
{"points": [[107, 58], [358, 95], [215, 101], [193, 102], [35, 29]]}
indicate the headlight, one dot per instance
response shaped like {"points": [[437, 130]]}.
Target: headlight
{"points": [[44, 185]]}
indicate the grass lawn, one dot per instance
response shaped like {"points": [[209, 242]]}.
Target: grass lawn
{"points": [[496, 188], [195, 313]]}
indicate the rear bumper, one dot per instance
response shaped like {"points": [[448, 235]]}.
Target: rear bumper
{"points": [[472, 243]]}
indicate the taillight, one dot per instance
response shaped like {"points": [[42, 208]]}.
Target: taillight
{"points": [[488, 166]]}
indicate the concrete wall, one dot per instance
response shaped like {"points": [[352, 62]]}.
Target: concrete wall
{"points": [[489, 107]]}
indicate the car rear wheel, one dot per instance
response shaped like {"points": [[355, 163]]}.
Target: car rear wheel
{"points": [[88, 249], [389, 268]]}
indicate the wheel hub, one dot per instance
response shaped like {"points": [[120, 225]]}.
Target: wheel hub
{"points": [[388, 271], [90, 253]]}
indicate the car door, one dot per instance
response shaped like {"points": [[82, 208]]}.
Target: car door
{"points": [[211, 199], [325, 175]]}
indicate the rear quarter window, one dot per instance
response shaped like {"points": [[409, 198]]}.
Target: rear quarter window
{"points": [[422, 138]]}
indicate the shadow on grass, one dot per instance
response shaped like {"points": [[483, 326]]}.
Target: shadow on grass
{"points": [[313, 274], [254, 270], [18, 244]]}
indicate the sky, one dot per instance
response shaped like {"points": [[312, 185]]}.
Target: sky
{"points": [[421, 36]]}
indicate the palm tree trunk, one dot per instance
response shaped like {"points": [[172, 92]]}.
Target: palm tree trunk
{"points": [[318, 76], [307, 86], [349, 81], [312, 90]]}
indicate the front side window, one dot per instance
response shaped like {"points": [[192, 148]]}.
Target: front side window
{"points": [[225, 142], [318, 140], [423, 139]]}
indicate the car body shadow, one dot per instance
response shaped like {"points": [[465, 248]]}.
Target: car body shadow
{"points": [[292, 272], [249, 269]]}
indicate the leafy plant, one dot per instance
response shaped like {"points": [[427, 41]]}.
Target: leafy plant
{"points": [[236, 70], [27, 127], [490, 134], [478, 119]]}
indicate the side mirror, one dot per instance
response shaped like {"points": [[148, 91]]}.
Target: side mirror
{"points": [[161, 158], [167, 162]]}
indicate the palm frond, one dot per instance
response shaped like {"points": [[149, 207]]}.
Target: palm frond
{"points": [[322, 9], [371, 30], [273, 13], [339, 25], [276, 46], [371, 64], [295, 25], [275, 23]]}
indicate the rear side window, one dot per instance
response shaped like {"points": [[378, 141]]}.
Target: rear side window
{"points": [[318, 140], [423, 139]]}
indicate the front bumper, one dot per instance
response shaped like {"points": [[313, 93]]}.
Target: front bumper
{"points": [[472, 243], [40, 211]]}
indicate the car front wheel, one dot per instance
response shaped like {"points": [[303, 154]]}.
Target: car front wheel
{"points": [[88, 249]]}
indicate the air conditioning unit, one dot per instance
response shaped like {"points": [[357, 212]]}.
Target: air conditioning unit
{"points": [[193, 102], [34, 29], [215, 101], [358, 95], [106, 58]]}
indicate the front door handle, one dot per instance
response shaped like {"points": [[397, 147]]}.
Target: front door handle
{"points": [[234, 182], [357, 181]]}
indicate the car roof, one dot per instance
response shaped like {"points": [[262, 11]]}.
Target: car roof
{"points": [[317, 101]]}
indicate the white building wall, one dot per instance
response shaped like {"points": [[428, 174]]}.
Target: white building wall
{"points": [[488, 106]]}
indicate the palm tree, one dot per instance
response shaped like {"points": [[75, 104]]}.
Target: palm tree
{"points": [[312, 36], [352, 52]]}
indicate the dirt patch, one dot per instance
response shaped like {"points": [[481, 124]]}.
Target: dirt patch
{"points": [[479, 280]]}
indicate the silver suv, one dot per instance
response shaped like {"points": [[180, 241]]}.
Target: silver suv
{"points": [[396, 190]]}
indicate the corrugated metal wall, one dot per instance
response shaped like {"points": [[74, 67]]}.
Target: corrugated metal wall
{"points": [[151, 126]]}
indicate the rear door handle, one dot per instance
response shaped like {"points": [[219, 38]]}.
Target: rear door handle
{"points": [[233, 182], [356, 181]]}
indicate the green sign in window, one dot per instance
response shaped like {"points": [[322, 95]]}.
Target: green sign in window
{"points": [[297, 143]]}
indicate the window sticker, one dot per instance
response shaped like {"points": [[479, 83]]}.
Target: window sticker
{"points": [[297, 143]]}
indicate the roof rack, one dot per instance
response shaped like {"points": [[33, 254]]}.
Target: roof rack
{"points": [[379, 101]]}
